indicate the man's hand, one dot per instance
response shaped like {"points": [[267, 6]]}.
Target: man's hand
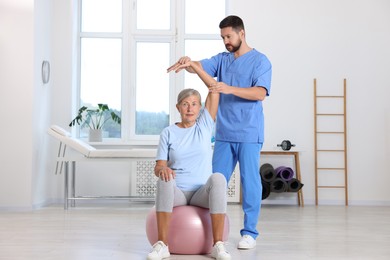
{"points": [[220, 87]]}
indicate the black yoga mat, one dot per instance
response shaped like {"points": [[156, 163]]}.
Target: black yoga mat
{"points": [[267, 172], [266, 190], [278, 185], [294, 185], [285, 173]]}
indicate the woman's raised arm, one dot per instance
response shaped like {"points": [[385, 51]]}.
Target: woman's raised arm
{"points": [[212, 99]]}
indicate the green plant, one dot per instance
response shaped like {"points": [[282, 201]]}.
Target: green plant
{"points": [[95, 118]]}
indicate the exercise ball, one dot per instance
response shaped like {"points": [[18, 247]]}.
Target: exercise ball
{"points": [[190, 230]]}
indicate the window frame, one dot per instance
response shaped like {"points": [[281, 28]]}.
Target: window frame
{"points": [[130, 35]]}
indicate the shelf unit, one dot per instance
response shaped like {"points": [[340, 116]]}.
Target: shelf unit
{"points": [[339, 153], [297, 169]]}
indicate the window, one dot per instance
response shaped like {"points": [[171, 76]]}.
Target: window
{"points": [[125, 47]]}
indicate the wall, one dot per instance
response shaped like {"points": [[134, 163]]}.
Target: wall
{"points": [[24, 100], [328, 40], [16, 98], [41, 186]]}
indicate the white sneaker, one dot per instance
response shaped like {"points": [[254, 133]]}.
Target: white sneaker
{"points": [[219, 251], [246, 242], [159, 251]]}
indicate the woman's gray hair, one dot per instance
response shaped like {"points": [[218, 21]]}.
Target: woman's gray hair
{"points": [[185, 93]]}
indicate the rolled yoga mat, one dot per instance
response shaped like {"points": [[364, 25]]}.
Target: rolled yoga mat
{"points": [[278, 185], [294, 185], [266, 190], [267, 172], [285, 173]]}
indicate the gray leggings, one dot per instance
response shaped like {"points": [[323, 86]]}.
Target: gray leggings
{"points": [[212, 195]]}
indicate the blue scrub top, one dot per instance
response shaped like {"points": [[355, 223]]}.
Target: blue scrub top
{"points": [[238, 119]]}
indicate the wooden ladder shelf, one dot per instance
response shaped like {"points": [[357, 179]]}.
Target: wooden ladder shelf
{"points": [[319, 133]]}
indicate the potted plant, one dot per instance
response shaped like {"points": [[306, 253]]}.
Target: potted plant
{"points": [[95, 119]]}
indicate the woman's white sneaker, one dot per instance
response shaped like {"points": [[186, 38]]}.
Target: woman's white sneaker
{"points": [[246, 242], [159, 251], [219, 251]]}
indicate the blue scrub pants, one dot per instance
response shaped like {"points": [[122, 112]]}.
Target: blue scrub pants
{"points": [[226, 155]]}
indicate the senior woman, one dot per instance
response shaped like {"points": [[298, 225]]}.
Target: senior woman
{"points": [[184, 167]]}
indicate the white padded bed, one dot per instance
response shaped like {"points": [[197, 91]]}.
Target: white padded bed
{"points": [[91, 152], [83, 151]]}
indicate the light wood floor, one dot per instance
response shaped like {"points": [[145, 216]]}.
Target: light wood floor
{"points": [[117, 231]]}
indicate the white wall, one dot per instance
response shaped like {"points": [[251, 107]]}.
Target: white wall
{"points": [[328, 40], [305, 39], [41, 185], [24, 100], [16, 102]]}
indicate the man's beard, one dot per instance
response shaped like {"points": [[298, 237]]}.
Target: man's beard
{"points": [[234, 48]]}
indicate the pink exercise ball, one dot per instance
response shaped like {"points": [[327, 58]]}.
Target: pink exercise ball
{"points": [[190, 230]]}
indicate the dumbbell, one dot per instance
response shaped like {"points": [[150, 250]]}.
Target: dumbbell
{"points": [[286, 145]]}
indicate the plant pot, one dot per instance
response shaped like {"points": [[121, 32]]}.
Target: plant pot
{"points": [[95, 135]]}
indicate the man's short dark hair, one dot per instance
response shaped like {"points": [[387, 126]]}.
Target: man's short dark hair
{"points": [[232, 21]]}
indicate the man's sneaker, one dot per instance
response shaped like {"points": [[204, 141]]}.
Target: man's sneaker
{"points": [[159, 251], [219, 251], [246, 242]]}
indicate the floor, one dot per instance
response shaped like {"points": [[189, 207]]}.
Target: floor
{"points": [[117, 231]]}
